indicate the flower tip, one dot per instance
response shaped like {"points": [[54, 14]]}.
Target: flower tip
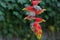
{"points": [[44, 20], [29, 0], [44, 9], [25, 18], [24, 9]]}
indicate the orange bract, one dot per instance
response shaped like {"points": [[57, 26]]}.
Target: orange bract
{"points": [[37, 30], [35, 2]]}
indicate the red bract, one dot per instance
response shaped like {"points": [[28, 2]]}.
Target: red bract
{"points": [[38, 19], [39, 11], [35, 2], [37, 26], [37, 29], [30, 8]]}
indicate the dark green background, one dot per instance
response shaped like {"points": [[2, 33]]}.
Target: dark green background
{"points": [[12, 23]]}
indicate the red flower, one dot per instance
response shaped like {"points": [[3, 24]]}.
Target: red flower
{"points": [[37, 27], [37, 30], [30, 8], [35, 2], [38, 19]]}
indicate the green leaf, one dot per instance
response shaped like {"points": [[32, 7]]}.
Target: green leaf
{"points": [[3, 4], [5, 31], [22, 1], [10, 35], [47, 17], [47, 1], [49, 9], [17, 14], [1, 13], [10, 6], [1, 16], [9, 0], [11, 30], [52, 14]]}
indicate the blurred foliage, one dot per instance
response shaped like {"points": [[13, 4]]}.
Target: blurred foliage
{"points": [[12, 21]]}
